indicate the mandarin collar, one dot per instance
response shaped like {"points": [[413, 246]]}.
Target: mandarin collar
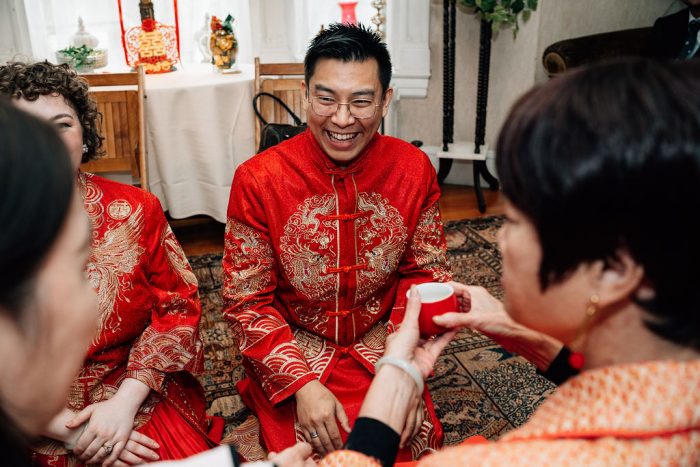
{"points": [[329, 166]]}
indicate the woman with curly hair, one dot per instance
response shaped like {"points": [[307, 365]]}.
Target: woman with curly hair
{"points": [[135, 398]]}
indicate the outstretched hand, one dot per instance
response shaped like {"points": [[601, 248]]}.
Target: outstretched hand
{"points": [[481, 311], [407, 344], [484, 313]]}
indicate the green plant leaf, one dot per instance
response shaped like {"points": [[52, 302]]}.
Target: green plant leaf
{"points": [[502, 13], [488, 5], [517, 6]]}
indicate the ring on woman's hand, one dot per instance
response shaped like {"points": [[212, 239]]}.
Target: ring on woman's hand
{"points": [[108, 448], [313, 435]]}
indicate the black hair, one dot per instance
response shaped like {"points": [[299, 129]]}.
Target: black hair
{"points": [[608, 158], [31, 80], [36, 186], [348, 43]]}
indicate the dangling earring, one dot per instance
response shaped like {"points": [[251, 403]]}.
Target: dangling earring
{"points": [[85, 148], [576, 359]]}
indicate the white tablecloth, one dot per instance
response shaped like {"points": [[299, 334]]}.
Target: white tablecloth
{"points": [[200, 128]]}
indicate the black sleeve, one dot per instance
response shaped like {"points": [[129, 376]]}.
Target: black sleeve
{"points": [[375, 439], [560, 370], [655, 41], [234, 456]]}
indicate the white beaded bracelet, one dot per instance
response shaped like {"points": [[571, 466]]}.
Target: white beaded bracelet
{"points": [[405, 365]]}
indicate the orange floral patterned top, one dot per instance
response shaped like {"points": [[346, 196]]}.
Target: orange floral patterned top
{"points": [[636, 414]]}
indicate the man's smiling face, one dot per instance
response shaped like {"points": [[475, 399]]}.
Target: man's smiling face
{"points": [[342, 136]]}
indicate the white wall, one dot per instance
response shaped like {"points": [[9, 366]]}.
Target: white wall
{"points": [[515, 63], [574, 18]]}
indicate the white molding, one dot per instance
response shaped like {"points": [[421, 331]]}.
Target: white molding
{"points": [[408, 36], [415, 86]]}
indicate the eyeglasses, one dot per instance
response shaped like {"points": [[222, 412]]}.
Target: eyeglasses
{"points": [[326, 106]]}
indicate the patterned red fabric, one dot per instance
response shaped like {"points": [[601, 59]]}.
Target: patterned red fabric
{"points": [[318, 257], [149, 309], [178, 440], [635, 414], [278, 424]]}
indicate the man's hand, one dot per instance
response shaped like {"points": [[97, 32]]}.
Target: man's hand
{"points": [[317, 411], [486, 314]]}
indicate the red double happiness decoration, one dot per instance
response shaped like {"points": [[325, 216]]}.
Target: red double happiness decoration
{"points": [[153, 45]]}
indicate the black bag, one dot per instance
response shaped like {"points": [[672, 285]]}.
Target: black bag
{"points": [[274, 133]]}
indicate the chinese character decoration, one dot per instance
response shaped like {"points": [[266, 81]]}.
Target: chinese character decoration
{"points": [[153, 45], [223, 43]]}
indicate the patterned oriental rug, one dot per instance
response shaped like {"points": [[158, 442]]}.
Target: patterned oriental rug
{"points": [[478, 387]]}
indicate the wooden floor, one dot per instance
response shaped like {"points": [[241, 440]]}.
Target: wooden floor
{"points": [[201, 235]]}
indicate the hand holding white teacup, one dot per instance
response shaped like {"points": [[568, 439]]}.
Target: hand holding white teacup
{"points": [[436, 298]]}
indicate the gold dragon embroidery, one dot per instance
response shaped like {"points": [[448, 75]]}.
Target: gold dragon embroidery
{"points": [[308, 248], [427, 245], [382, 237], [252, 258]]}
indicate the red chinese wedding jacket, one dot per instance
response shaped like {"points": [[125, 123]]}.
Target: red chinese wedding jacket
{"points": [[318, 257], [148, 303]]}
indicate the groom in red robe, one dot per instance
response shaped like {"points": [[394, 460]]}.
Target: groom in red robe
{"points": [[326, 232]]}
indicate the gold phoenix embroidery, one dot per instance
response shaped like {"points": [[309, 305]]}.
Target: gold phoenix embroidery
{"points": [[113, 259], [176, 257]]}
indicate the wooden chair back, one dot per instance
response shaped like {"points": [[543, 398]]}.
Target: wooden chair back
{"points": [[120, 100], [284, 81]]}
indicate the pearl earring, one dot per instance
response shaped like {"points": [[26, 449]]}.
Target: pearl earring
{"points": [[85, 149]]}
